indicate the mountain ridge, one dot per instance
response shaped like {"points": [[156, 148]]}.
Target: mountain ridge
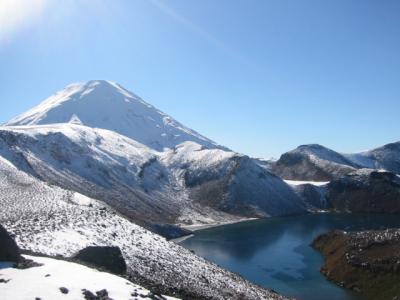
{"points": [[185, 185], [108, 105], [318, 163]]}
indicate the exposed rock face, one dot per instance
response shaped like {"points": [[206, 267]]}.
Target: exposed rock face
{"points": [[240, 186], [313, 196], [169, 231], [367, 262], [108, 258], [9, 250], [313, 162], [365, 191]]}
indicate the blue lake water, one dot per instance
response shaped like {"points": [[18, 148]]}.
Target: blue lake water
{"points": [[275, 253]]}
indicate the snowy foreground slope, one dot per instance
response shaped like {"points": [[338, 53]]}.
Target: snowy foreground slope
{"points": [[186, 185], [57, 279], [54, 221], [107, 105]]}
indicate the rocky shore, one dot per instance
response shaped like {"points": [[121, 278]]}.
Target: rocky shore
{"points": [[367, 261]]}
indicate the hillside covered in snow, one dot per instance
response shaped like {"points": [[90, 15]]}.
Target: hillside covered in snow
{"points": [[50, 220], [186, 185]]}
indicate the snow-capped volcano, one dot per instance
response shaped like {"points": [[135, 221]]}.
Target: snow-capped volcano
{"points": [[107, 105]]}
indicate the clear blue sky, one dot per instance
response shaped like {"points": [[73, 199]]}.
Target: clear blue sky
{"points": [[259, 76]]}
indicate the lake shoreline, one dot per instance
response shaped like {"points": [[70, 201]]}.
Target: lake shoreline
{"points": [[199, 227], [273, 252]]}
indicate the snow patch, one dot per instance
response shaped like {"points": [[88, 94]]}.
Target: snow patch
{"points": [[81, 199], [298, 182]]}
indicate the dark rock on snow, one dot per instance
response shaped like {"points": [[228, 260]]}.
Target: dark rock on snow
{"points": [[64, 290], [105, 257], [100, 295], [9, 250]]}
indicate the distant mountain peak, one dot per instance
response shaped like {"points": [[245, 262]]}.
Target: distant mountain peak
{"points": [[108, 105], [311, 146]]}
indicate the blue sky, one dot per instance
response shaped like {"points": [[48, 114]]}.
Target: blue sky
{"points": [[259, 76]]}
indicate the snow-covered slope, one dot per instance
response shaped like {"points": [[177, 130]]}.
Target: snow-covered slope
{"points": [[54, 221], [186, 185], [318, 163], [386, 157], [107, 105], [96, 162], [230, 182], [57, 279], [313, 163]]}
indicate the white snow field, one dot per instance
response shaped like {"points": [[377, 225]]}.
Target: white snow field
{"points": [[53, 221], [299, 182], [45, 281], [105, 104]]}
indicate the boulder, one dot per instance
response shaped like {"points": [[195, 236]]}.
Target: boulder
{"points": [[105, 257], [9, 250]]}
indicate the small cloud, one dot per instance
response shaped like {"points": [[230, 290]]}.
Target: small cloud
{"points": [[17, 14]]}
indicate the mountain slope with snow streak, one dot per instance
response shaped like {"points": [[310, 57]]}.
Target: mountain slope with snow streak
{"points": [[317, 163], [187, 185], [386, 157], [231, 182], [105, 104], [313, 163], [53, 221]]}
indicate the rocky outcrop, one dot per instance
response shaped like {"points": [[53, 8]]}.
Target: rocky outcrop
{"points": [[365, 191], [313, 196], [241, 187], [104, 257], [169, 231], [367, 262]]}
